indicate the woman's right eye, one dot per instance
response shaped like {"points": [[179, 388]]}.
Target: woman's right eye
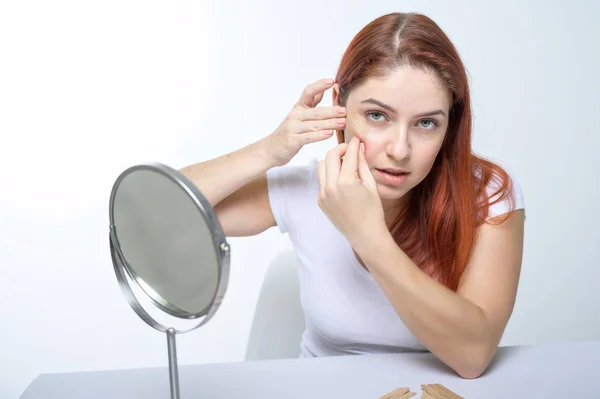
{"points": [[375, 116]]}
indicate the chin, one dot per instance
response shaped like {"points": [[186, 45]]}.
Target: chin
{"points": [[389, 193]]}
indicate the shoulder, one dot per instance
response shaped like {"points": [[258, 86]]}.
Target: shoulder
{"points": [[292, 176], [291, 191], [503, 190]]}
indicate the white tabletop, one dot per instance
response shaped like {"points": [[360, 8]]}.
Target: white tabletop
{"points": [[564, 370]]}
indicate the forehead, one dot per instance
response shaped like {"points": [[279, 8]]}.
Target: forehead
{"points": [[406, 89]]}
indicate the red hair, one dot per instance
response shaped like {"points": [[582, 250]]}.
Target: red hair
{"points": [[437, 227]]}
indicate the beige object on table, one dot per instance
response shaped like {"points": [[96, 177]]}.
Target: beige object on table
{"points": [[399, 393], [430, 391], [438, 391]]}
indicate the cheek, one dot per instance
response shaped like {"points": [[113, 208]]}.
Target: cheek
{"points": [[374, 147], [427, 156]]}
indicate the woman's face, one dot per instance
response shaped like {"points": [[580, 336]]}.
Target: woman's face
{"points": [[402, 119]]}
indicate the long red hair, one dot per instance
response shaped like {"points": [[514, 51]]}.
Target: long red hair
{"points": [[437, 227]]}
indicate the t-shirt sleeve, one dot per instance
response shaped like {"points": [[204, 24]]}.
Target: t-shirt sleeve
{"points": [[288, 187], [505, 205]]}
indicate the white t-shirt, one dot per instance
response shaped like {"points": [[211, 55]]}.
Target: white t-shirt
{"points": [[345, 309]]}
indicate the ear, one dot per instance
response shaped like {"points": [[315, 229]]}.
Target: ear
{"points": [[335, 94], [335, 101]]}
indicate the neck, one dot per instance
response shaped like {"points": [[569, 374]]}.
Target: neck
{"points": [[391, 209]]}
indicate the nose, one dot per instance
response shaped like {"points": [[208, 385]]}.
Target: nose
{"points": [[399, 146]]}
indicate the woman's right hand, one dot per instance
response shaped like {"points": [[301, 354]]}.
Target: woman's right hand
{"points": [[305, 124]]}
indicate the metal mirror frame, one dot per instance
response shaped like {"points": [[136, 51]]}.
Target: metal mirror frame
{"points": [[124, 271]]}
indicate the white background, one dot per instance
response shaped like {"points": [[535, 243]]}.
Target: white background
{"points": [[90, 88]]}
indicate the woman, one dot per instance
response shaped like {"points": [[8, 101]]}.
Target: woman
{"points": [[406, 239]]}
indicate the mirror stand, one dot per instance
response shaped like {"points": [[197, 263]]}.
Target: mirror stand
{"points": [[125, 278], [173, 370], [167, 242]]}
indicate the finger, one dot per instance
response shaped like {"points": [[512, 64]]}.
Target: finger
{"points": [[319, 113], [317, 99], [315, 126], [313, 93], [333, 163], [313, 137], [364, 172], [322, 177], [350, 164]]}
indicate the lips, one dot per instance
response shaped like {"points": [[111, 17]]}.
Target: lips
{"points": [[392, 177], [394, 172]]}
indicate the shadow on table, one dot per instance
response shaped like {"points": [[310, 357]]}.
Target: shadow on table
{"points": [[433, 363], [502, 355]]}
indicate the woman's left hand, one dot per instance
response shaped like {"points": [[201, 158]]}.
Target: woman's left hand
{"points": [[348, 193]]}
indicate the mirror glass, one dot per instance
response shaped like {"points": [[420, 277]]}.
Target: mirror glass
{"points": [[166, 241]]}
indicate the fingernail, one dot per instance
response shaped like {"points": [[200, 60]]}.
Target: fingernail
{"points": [[362, 147]]}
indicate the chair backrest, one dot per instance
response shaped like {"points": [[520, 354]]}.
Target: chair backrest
{"points": [[278, 322]]}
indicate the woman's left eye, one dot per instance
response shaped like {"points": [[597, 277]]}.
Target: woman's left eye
{"points": [[429, 124]]}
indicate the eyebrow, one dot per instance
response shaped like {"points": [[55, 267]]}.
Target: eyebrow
{"points": [[389, 108]]}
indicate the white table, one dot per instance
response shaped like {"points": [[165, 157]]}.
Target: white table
{"points": [[565, 370]]}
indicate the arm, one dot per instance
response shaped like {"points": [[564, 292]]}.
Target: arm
{"points": [[220, 177], [462, 329], [235, 184]]}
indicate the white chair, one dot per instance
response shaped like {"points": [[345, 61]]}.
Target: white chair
{"points": [[278, 320]]}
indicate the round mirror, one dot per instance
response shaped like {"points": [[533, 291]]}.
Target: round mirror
{"points": [[166, 239]]}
